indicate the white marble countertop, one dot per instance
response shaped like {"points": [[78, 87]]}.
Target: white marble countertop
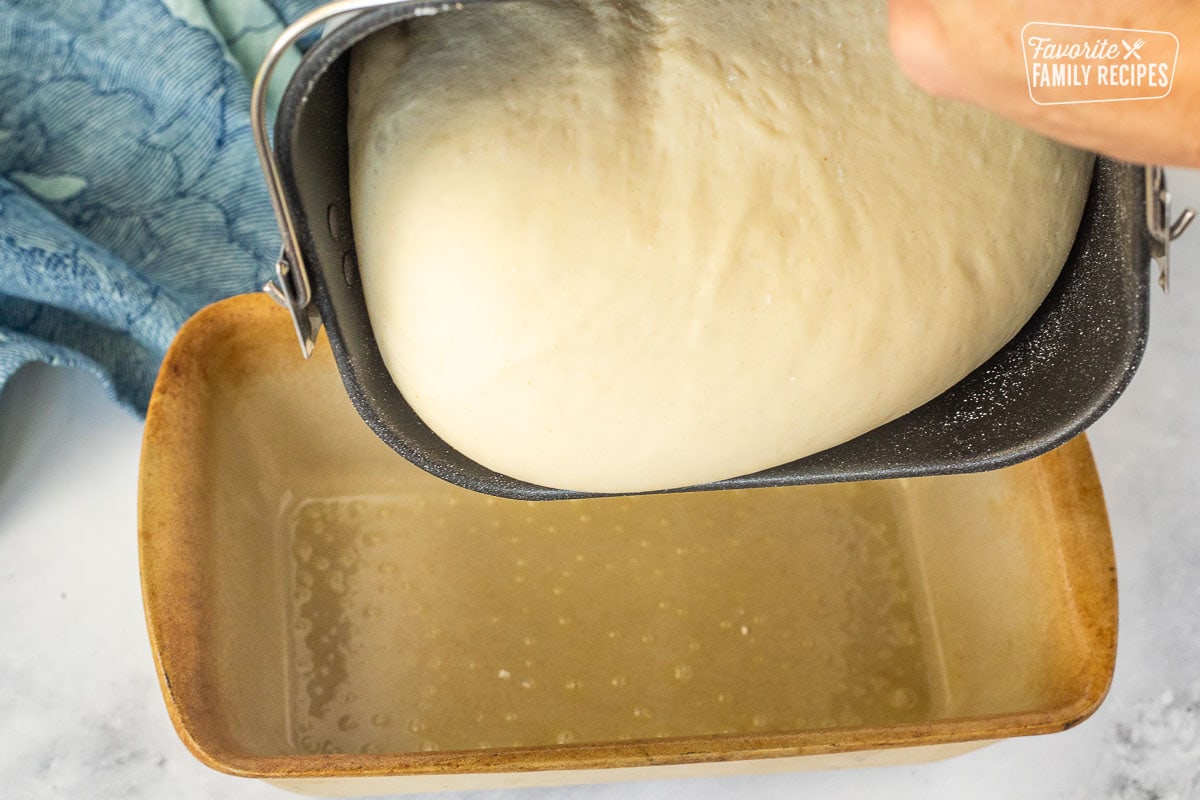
{"points": [[80, 709]]}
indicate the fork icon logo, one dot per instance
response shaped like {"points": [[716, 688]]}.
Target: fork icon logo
{"points": [[1131, 50]]}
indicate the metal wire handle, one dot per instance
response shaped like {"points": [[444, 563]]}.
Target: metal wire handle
{"points": [[1158, 220], [291, 287]]}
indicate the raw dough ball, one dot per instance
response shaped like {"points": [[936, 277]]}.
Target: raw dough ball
{"points": [[628, 246]]}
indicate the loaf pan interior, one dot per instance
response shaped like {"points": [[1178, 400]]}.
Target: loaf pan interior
{"points": [[319, 607]]}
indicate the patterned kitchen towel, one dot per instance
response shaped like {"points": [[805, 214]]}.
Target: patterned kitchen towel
{"points": [[130, 193]]}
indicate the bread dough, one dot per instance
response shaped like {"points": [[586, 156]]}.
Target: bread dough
{"points": [[618, 246]]}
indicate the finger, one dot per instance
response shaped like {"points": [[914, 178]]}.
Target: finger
{"points": [[972, 52]]}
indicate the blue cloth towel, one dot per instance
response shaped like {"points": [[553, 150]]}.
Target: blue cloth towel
{"points": [[130, 193]]}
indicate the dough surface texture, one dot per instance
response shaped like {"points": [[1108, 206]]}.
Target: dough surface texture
{"points": [[628, 246]]}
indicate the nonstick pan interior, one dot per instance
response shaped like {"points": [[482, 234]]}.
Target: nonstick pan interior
{"points": [[1063, 370]]}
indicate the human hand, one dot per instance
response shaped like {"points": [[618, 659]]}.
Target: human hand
{"points": [[972, 51]]}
